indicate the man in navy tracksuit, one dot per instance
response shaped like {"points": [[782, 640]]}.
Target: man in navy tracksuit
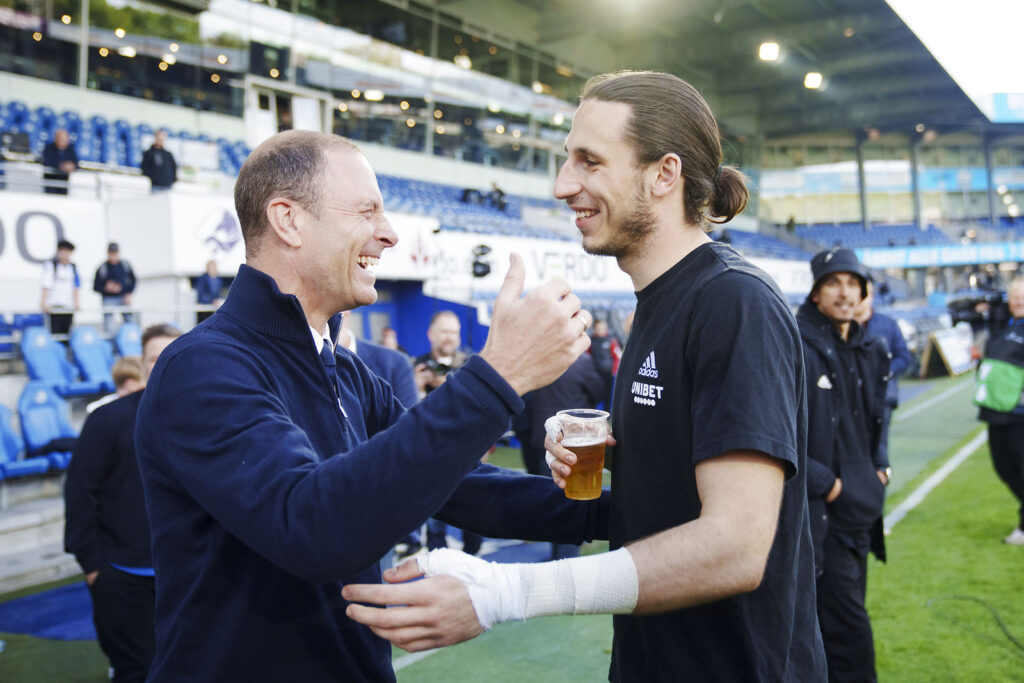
{"points": [[847, 373], [106, 528], [276, 468]]}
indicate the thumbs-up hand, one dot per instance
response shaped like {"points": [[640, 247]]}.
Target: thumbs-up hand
{"points": [[535, 337]]}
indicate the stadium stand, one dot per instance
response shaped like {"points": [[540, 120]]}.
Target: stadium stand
{"points": [[855, 236]]}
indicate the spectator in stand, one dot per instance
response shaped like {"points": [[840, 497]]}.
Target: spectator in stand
{"points": [[128, 375], [107, 529], [885, 328], [497, 198], [60, 160], [604, 347], [430, 371], [115, 282], [208, 287], [60, 289], [581, 386], [158, 164]]}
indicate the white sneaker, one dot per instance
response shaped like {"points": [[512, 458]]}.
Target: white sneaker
{"points": [[1016, 538]]}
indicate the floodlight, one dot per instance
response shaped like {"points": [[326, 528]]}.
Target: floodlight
{"points": [[812, 81], [768, 52]]}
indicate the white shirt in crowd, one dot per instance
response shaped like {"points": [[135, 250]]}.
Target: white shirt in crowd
{"points": [[61, 281]]}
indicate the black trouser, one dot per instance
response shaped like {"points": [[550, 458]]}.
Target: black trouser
{"points": [[1006, 444], [122, 611], [845, 627], [60, 323], [883, 441]]}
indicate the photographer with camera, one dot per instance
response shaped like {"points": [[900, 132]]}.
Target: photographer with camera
{"points": [[431, 369]]}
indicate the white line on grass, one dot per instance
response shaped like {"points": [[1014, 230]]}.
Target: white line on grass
{"points": [[406, 660], [915, 498], [902, 415]]}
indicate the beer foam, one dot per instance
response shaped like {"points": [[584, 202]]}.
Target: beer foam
{"points": [[578, 441]]}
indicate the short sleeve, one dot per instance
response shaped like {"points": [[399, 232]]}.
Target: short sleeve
{"points": [[745, 358]]}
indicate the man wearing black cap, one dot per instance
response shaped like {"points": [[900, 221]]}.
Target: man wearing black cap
{"points": [[847, 373], [115, 282]]}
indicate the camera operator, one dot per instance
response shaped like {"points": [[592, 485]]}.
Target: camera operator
{"points": [[432, 368]]}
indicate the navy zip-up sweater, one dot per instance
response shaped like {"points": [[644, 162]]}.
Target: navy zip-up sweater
{"points": [[264, 499]]}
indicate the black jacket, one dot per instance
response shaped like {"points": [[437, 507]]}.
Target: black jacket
{"points": [[105, 510], [159, 166], [580, 386], [862, 493]]}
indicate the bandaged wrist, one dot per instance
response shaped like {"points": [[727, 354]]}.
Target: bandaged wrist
{"points": [[597, 584]]}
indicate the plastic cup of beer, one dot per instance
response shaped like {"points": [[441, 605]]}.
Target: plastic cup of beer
{"points": [[584, 432]]}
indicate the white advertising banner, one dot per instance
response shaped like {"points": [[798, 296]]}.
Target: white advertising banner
{"points": [[174, 235], [30, 226]]}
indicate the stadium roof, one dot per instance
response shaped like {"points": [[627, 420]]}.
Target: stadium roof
{"points": [[877, 76]]}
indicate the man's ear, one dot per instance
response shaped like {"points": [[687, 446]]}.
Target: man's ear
{"points": [[284, 216], [668, 175]]}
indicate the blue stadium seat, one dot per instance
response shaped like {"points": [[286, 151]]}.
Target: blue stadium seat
{"points": [[7, 330], [92, 356], [12, 451], [46, 360], [128, 340], [45, 417], [24, 320]]}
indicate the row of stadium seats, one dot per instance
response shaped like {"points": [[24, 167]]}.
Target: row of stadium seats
{"points": [[99, 140], [757, 244], [43, 417], [87, 371], [854, 235]]}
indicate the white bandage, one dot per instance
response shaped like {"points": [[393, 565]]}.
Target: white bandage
{"points": [[553, 429], [596, 584]]}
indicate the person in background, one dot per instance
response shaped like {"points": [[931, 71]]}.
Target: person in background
{"points": [[888, 330], [114, 282], [847, 377], [389, 340], [1006, 427], [60, 289], [106, 526], [159, 165], [128, 376], [60, 160], [606, 351], [208, 287]]}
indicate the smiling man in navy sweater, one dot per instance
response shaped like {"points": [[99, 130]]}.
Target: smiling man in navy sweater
{"points": [[275, 471]]}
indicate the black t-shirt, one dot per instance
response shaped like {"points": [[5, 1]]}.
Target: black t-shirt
{"points": [[714, 364]]}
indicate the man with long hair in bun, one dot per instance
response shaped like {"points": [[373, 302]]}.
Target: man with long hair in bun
{"points": [[711, 573]]}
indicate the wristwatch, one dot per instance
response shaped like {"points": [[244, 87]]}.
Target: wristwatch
{"points": [[888, 475]]}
